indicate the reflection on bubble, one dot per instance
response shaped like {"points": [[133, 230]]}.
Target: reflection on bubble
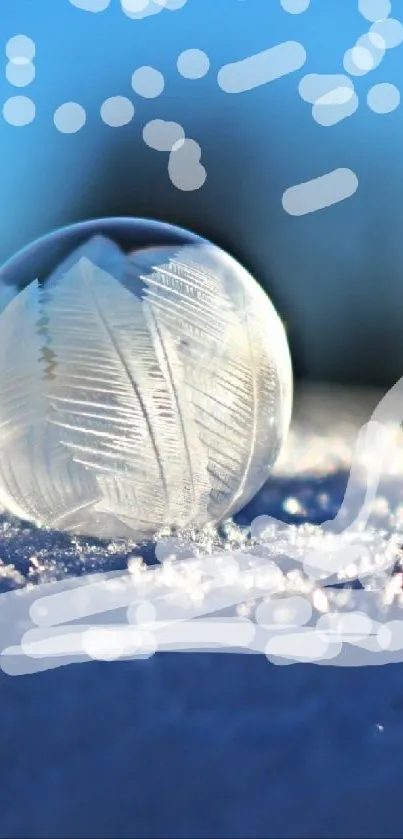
{"points": [[261, 68], [91, 5], [117, 111], [19, 110], [162, 135], [69, 118], [20, 74], [20, 46], [184, 167], [295, 7], [193, 64], [148, 82], [383, 98], [390, 31], [320, 192], [374, 9]]}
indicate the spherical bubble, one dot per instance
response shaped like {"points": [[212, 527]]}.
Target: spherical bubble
{"points": [[19, 110], [148, 82], [20, 47], [383, 98], [153, 386], [193, 64]]}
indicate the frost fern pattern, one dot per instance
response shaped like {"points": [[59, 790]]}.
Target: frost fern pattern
{"points": [[139, 391]]}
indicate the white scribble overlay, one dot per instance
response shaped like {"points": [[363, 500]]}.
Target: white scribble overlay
{"points": [[184, 167], [387, 32], [91, 5], [314, 86], [117, 111], [148, 82], [20, 69], [383, 98], [193, 64], [69, 118], [244, 600], [374, 9], [332, 96], [321, 192], [162, 135], [19, 111], [365, 56], [335, 106], [261, 68], [139, 9], [295, 7], [20, 73], [20, 48]]}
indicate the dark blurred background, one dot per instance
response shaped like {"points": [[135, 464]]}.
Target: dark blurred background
{"points": [[335, 275]]}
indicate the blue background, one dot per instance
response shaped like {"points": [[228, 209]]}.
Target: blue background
{"points": [[335, 275]]}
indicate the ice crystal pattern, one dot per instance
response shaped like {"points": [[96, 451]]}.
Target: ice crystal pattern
{"points": [[140, 391]]}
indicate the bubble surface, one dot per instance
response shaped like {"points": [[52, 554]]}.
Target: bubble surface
{"points": [[153, 386]]}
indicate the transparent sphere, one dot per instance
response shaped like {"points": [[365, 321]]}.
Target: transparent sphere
{"points": [[145, 381]]}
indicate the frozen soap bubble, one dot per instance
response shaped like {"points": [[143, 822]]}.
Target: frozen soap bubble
{"points": [[145, 381]]}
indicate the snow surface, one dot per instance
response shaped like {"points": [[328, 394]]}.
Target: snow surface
{"points": [[208, 745]]}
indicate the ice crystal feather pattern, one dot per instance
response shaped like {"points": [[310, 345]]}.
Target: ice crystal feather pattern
{"points": [[140, 391]]}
